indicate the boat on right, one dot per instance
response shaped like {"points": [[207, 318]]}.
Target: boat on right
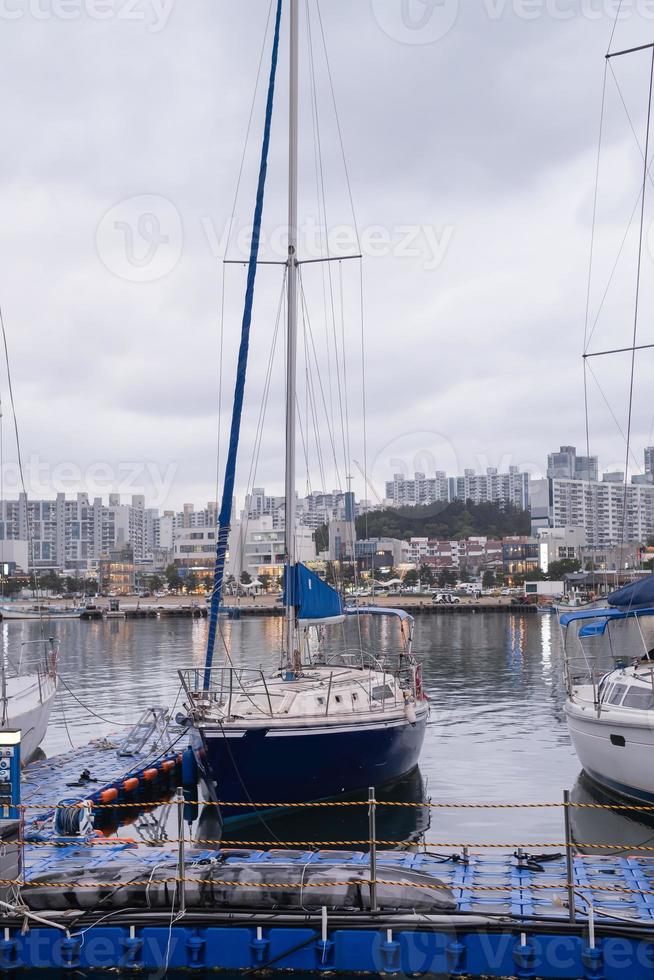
{"points": [[609, 707]]}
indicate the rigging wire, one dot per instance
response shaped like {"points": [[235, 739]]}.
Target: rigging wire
{"points": [[332, 304], [636, 304], [227, 241], [615, 24], [611, 412], [19, 457], [249, 127], [591, 256], [338, 127], [322, 229]]}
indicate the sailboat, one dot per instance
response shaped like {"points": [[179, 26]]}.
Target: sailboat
{"points": [[326, 722], [609, 649], [27, 697]]}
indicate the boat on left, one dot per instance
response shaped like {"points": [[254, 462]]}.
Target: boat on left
{"points": [[29, 685], [27, 696], [37, 611]]}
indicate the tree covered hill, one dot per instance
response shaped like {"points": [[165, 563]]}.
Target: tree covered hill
{"points": [[447, 522]]}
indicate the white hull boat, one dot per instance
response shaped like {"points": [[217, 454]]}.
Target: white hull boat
{"points": [[610, 711], [27, 698], [34, 613]]}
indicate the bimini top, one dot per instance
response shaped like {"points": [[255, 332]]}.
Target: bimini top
{"points": [[401, 614], [603, 617]]}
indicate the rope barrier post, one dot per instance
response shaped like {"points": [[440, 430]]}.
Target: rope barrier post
{"points": [[181, 867], [568, 856], [372, 838]]}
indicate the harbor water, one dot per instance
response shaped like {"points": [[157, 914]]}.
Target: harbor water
{"points": [[496, 734]]}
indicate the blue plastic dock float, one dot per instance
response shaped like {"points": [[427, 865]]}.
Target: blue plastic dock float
{"points": [[113, 904]]}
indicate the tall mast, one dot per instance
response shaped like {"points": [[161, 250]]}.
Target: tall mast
{"points": [[291, 332]]}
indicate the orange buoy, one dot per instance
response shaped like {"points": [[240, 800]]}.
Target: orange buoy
{"points": [[129, 785], [109, 795], [149, 774], [168, 764]]}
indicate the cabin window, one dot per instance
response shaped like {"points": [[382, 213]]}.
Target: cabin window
{"points": [[321, 700], [616, 693], [354, 697], [381, 693], [338, 699], [639, 697]]}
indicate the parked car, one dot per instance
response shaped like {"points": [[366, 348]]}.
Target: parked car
{"points": [[445, 598]]}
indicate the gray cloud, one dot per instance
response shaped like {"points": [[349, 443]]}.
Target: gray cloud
{"points": [[487, 137]]}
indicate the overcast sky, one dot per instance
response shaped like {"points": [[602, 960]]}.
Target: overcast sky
{"points": [[470, 133]]}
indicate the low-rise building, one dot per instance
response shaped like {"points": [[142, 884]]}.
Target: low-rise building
{"points": [[117, 571], [560, 544]]}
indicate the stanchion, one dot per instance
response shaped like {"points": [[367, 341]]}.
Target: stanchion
{"points": [[181, 867], [568, 856], [372, 837]]}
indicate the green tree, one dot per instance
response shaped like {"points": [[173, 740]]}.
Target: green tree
{"points": [[246, 578], [567, 566], [447, 576], [488, 579], [191, 582], [426, 575], [265, 580], [173, 578], [411, 578]]}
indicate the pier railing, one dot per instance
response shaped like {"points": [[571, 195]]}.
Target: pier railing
{"points": [[528, 855], [249, 685]]}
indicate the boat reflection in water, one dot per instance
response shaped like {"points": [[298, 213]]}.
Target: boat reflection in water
{"points": [[397, 824], [617, 828]]}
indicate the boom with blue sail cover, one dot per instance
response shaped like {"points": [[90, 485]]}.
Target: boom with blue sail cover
{"points": [[224, 517], [313, 600], [640, 593]]}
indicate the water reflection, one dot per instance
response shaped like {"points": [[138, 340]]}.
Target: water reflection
{"points": [[496, 733], [615, 828], [516, 635], [349, 823], [545, 620]]}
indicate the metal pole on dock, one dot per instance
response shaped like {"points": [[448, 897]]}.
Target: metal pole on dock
{"points": [[568, 856], [181, 865], [372, 838]]}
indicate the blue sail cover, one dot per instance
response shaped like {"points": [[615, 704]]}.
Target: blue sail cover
{"points": [[640, 593], [313, 599]]}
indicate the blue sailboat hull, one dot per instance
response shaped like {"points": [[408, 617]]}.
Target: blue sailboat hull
{"points": [[303, 764]]}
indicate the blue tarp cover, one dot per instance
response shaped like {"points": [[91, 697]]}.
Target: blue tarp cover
{"points": [[640, 593], [605, 614], [312, 597]]}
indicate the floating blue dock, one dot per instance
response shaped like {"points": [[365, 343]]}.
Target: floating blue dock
{"points": [[95, 902]]}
